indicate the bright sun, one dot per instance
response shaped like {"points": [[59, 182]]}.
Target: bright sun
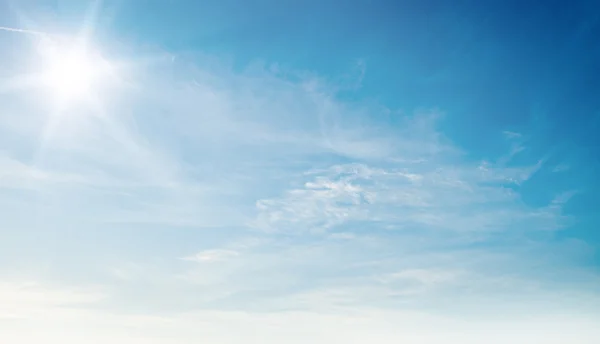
{"points": [[72, 73]]}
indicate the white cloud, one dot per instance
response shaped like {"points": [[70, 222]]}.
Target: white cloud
{"points": [[561, 168], [32, 32], [97, 325], [22, 300], [423, 276], [212, 255], [353, 220], [511, 134], [441, 192], [187, 146]]}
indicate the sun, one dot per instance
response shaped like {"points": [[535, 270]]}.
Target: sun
{"points": [[70, 75], [72, 72]]}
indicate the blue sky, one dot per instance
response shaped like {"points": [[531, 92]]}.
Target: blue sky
{"points": [[267, 171]]}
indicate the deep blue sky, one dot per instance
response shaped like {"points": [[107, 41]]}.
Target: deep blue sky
{"points": [[527, 66], [513, 64]]}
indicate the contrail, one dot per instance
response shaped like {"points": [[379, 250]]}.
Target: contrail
{"points": [[30, 32]]}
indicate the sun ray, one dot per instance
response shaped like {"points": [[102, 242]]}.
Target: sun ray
{"points": [[72, 80]]}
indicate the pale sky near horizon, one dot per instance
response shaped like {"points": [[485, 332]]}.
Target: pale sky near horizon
{"points": [[270, 171]]}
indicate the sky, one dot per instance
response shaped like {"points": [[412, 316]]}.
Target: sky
{"points": [[267, 171]]}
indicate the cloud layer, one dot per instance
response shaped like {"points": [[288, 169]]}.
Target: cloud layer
{"points": [[204, 199]]}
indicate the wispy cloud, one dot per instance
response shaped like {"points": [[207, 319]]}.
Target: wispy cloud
{"points": [[512, 134], [561, 168], [212, 255], [440, 192], [262, 191], [73, 325], [30, 32]]}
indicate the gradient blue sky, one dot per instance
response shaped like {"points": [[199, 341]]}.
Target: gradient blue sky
{"points": [[292, 171]]}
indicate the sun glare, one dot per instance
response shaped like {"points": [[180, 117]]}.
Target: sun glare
{"points": [[72, 73]]}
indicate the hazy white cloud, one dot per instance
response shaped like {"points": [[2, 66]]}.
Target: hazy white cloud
{"points": [[561, 168], [511, 134], [290, 215], [212, 255], [442, 192], [22, 300], [74, 324], [32, 32]]}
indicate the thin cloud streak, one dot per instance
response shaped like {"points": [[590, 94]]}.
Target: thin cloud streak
{"points": [[31, 32]]}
